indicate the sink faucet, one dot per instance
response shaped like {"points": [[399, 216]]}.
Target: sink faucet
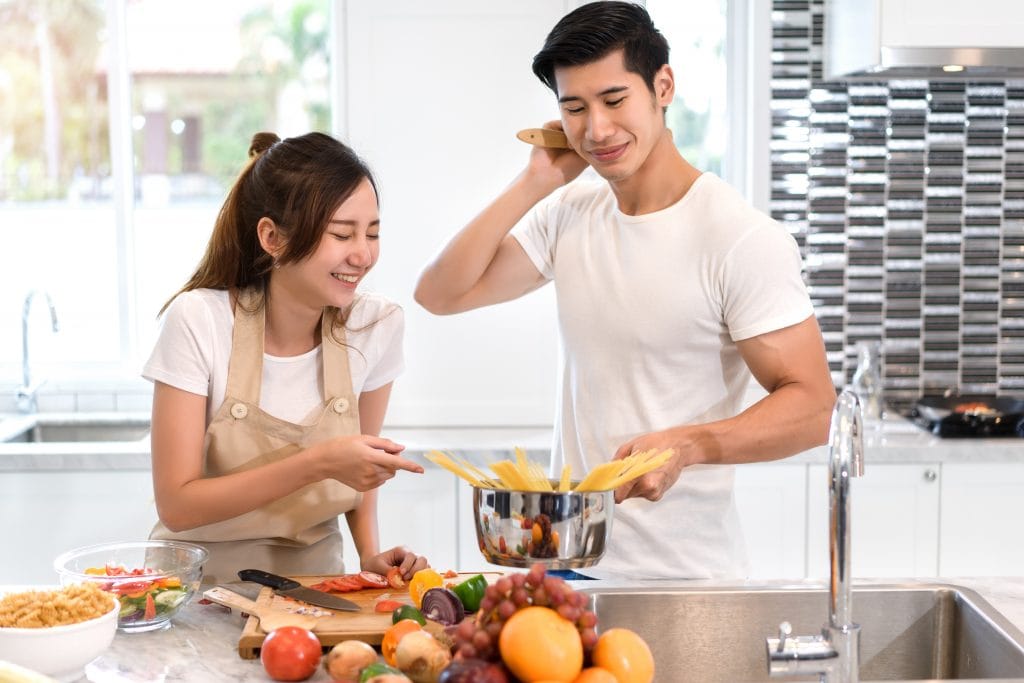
{"points": [[26, 393], [834, 656]]}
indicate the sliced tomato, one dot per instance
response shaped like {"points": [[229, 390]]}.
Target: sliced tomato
{"points": [[388, 605], [373, 580], [150, 607], [395, 578]]}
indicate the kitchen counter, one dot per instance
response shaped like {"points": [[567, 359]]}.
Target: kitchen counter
{"points": [[202, 644], [895, 440]]}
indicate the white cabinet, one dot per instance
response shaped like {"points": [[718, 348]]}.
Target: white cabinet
{"points": [[895, 526], [982, 513], [416, 511], [46, 513], [770, 498]]}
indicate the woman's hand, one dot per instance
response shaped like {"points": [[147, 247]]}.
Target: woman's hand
{"points": [[362, 462], [408, 562]]}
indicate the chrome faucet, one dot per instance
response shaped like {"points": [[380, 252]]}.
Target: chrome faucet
{"points": [[26, 393], [834, 656]]}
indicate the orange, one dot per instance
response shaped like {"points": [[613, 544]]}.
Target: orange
{"points": [[625, 655], [595, 674], [537, 644], [393, 635]]}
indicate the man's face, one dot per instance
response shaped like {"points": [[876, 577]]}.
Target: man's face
{"points": [[609, 114]]}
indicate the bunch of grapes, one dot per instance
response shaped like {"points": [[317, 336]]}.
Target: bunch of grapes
{"points": [[478, 638]]}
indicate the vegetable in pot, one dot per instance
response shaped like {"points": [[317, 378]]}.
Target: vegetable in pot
{"points": [[442, 605]]}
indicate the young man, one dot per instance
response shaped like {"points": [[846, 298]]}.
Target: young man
{"points": [[671, 292]]}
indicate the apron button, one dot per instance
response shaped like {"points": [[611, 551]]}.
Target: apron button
{"points": [[340, 405], [239, 411]]}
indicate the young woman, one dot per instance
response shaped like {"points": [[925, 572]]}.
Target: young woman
{"points": [[272, 374]]}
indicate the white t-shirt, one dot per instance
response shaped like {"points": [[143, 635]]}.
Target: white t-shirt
{"points": [[194, 346], [650, 308]]}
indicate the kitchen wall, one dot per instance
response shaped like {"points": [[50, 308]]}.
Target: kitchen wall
{"points": [[907, 198]]}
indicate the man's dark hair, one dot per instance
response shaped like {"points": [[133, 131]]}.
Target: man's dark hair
{"points": [[590, 32]]}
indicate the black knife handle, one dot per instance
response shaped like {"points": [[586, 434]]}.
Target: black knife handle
{"points": [[267, 579]]}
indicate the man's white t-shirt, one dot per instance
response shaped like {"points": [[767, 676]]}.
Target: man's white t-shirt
{"points": [[194, 346], [650, 308]]}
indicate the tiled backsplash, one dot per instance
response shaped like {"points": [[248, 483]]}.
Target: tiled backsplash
{"points": [[907, 199]]}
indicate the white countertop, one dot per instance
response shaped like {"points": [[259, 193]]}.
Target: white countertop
{"points": [[202, 643]]}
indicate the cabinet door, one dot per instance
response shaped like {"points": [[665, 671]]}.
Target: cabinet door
{"points": [[416, 511], [982, 532], [47, 513], [433, 95], [773, 514], [895, 523]]}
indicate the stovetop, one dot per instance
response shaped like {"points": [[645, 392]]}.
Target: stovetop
{"points": [[966, 426]]}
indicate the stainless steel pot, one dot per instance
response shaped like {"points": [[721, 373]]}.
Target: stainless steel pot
{"points": [[560, 530]]}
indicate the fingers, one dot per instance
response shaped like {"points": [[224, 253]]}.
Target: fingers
{"points": [[408, 465], [386, 445], [408, 562], [625, 450]]}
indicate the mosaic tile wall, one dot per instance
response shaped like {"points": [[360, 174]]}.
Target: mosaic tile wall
{"points": [[907, 199]]}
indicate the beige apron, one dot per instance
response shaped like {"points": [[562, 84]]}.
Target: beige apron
{"points": [[297, 534]]}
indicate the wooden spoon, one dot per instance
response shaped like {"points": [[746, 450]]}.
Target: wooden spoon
{"points": [[544, 137], [269, 617]]}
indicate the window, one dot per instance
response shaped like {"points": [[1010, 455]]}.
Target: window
{"points": [[696, 33], [196, 92]]}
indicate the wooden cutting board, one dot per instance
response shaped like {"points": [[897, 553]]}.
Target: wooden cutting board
{"points": [[332, 626]]}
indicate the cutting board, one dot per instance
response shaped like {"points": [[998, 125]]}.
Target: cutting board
{"points": [[333, 627]]}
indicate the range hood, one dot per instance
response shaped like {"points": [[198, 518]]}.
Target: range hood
{"points": [[928, 39]]}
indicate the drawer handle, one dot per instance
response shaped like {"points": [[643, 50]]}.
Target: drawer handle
{"points": [[930, 475]]}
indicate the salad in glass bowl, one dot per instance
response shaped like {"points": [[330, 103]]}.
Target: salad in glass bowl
{"points": [[152, 580]]}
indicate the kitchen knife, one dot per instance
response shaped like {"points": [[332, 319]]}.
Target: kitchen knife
{"points": [[544, 137], [294, 589]]}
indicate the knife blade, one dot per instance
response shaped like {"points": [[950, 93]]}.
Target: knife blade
{"points": [[293, 589]]}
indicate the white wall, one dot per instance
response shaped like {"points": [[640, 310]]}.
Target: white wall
{"points": [[432, 94]]}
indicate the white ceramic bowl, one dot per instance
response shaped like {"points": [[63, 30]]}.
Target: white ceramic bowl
{"points": [[60, 651]]}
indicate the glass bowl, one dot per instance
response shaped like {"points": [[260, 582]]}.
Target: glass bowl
{"points": [[559, 530], [152, 580]]}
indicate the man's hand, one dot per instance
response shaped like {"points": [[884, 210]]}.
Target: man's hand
{"points": [[555, 167], [655, 483]]}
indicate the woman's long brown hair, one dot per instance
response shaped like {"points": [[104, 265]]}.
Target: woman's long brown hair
{"points": [[298, 183]]}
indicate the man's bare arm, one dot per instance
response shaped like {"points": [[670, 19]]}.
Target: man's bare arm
{"points": [[483, 264], [790, 364]]}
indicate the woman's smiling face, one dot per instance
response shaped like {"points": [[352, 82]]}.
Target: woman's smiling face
{"points": [[348, 249]]}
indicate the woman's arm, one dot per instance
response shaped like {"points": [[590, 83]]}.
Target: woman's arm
{"points": [[186, 500], [362, 522]]}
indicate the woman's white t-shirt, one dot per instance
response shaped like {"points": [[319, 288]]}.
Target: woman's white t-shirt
{"points": [[650, 308], [194, 346]]}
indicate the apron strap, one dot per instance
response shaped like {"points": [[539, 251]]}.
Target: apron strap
{"points": [[337, 375], [246, 349]]}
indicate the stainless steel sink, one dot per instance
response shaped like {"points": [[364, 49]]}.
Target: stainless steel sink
{"points": [[908, 632], [75, 428]]}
